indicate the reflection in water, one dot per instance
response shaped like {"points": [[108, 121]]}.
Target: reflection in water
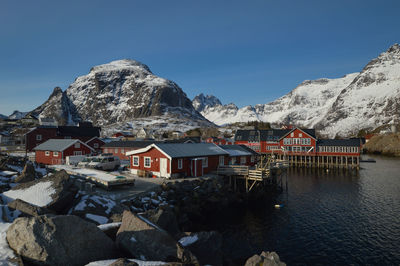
{"points": [[334, 217]]}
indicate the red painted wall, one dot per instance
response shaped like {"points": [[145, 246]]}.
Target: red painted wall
{"points": [[120, 152], [99, 142], [30, 137], [155, 156], [296, 134], [51, 159]]}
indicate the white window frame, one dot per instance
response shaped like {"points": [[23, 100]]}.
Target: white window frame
{"points": [[105, 150], [133, 161], [233, 160], [145, 162], [300, 135], [222, 160], [47, 153], [55, 153], [123, 151], [180, 163], [39, 137]]}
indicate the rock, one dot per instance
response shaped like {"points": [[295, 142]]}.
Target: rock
{"points": [[27, 208], [59, 240], [265, 259], [62, 185], [141, 239], [123, 262], [206, 246], [164, 218], [28, 174]]}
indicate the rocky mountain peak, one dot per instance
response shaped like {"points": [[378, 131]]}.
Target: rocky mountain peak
{"points": [[201, 102]]}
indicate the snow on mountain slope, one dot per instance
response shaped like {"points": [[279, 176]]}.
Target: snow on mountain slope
{"points": [[304, 105], [336, 107], [3, 116], [126, 89], [118, 92], [371, 100]]}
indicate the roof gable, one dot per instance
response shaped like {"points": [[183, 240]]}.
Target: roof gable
{"points": [[309, 132]]}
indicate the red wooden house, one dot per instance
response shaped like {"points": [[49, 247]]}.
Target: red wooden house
{"points": [[261, 141], [298, 141], [172, 160], [95, 143], [219, 141], [84, 132], [54, 151], [119, 148]]}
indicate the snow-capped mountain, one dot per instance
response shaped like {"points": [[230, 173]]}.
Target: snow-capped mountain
{"points": [[118, 92], [340, 106], [17, 115], [3, 116]]}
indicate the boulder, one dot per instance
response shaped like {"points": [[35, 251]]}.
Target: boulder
{"points": [[123, 262], [27, 208], [141, 239], [59, 240], [28, 174], [164, 218], [265, 259], [206, 246], [62, 191]]}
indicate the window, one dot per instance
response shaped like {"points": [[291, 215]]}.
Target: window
{"points": [[252, 159], [243, 160], [233, 160], [292, 134], [77, 152], [147, 162], [180, 163], [105, 150], [55, 153], [300, 135], [38, 137], [205, 162], [77, 145], [96, 145], [116, 150], [221, 160], [135, 160], [122, 151], [47, 153]]}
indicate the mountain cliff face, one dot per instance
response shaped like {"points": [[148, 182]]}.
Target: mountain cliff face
{"points": [[119, 91], [337, 107]]}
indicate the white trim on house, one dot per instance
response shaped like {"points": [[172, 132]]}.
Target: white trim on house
{"points": [[47, 153], [133, 161], [55, 153], [144, 162], [180, 163], [145, 149]]}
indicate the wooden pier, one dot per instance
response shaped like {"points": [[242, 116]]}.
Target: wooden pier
{"points": [[307, 160], [267, 172]]}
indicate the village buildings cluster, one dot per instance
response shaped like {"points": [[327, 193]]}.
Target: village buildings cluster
{"points": [[180, 155]]}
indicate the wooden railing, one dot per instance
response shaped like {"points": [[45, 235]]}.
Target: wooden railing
{"points": [[233, 170]]}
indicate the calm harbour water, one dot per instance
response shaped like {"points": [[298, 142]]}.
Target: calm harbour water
{"points": [[334, 218]]}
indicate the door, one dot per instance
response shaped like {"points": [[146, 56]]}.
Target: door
{"points": [[163, 167]]}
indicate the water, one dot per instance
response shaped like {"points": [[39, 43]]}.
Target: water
{"points": [[332, 218]]}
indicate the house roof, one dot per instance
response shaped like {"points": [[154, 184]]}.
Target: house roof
{"points": [[58, 144], [180, 150], [264, 135], [185, 140], [339, 142], [238, 150], [128, 144]]}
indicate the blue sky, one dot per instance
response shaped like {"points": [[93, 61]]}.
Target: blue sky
{"points": [[246, 52]]}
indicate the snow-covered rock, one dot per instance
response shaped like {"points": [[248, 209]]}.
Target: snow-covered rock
{"points": [[200, 102], [17, 115]]}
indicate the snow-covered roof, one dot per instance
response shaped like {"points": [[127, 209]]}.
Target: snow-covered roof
{"points": [[180, 150], [58, 144], [237, 150]]}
